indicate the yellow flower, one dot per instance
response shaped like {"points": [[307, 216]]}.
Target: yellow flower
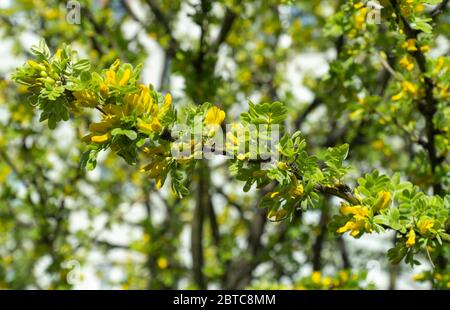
{"points": [[397, 97], [298, 191], [282, 166], [51, 13], [410, 45], [166, 105], [409, 87], [162, 262], [406, 63], [125, 77], [383, 201], [359, 212], [142, 102], [111, 77], [360, 18], [316, 277], [411, 238], [425, 48], [159, 182], [274, 194], [104, 90], [214, 116], [419, 8], [327, 281], [424, 225], [419, 277], [354, 226], [440, 64], [153, 126], [101, 138], [343, 275]]}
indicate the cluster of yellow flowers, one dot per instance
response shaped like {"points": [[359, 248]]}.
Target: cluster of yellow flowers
{"points": [[359, 216], [407, 63], [408, 88], [318, 281], [360, 16], [407, 7], [358, 221], [410, 45], [148, 122], [142, 104], [423, 226]]}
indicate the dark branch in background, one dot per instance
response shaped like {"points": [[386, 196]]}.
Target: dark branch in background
{"points": [[428, 105], [197, 229], [100, 29], [131, 13], [439, 9], [339, 44], [164, 21], [231, 202], [227, 24], [346, 264], [164, 82], [318, 244], [394, 269], [213, 222], [240, 271], [311, 107]]}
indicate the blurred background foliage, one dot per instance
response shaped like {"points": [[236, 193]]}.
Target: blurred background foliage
{"points": [[317, 57]]}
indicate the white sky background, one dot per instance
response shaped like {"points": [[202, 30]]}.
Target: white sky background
{"points": [[121, 234]]}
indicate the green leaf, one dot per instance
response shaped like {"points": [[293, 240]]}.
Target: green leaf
{"points": [[131, 134], [422, 24], [397, 253], [82, 65]]}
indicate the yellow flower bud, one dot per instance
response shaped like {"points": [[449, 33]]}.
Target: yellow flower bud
{"points": [[383, 201], [101, 138], [111, 77], [104, 90], [274, 194], [282, 166], [125, 77], [411, 238]]}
